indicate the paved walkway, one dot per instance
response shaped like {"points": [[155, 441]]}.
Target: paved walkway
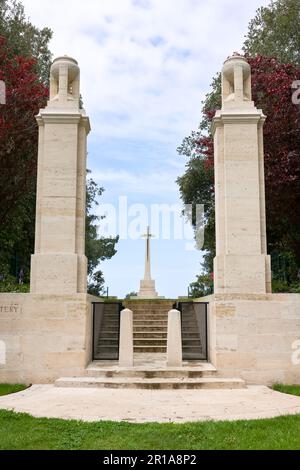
{"points": [[141, 406]]}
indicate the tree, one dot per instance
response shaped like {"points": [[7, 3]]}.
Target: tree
{"points": [[25, 39], [25, 95], [272, 91], [24, 67], [130, 295], [275, 32], [202, 287], [97, 249]]}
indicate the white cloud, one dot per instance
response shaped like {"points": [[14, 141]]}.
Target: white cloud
{"points": [[146, 64], [127, 183]]}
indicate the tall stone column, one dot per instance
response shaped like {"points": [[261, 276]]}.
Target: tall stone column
{"points": [[241, 264], [59, 265]]}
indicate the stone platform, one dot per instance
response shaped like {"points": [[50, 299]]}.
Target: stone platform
{"points": [[140, 406]]}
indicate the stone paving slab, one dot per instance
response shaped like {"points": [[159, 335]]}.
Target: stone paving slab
{"points": [[140, 406]]}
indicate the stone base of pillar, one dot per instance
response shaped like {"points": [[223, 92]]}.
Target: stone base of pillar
{"points": [[58, 274], [235, 274], [147, 290]]}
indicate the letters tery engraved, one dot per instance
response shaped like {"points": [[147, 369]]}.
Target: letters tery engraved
{"points": [[10, 308]]}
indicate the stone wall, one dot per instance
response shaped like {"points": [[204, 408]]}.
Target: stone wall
{"points": [[45, 336], [256, 337]]}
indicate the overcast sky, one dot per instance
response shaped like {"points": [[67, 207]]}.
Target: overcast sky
{"points": [[145, 68]]}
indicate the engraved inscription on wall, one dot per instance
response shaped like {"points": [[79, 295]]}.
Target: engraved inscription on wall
{"points": [[13, 308]]}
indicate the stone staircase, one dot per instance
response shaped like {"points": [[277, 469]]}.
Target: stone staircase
{"points": [[192, 349], [201, 376], [108, 340], [150, 324], [150, 371]]}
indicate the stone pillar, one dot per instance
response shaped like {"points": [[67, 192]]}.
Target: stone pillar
{"points": [[126, 339], [241, 264], [174, 348], [59, 265]]}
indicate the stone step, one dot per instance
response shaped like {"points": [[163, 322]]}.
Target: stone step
{"points": [[109, 333], [150, 349], [162, 329], [150, 314], [149, 302], [206, 370], [108, 342], [152, 308], [150, 342], [108, 347], [155, 329], [191, 330], [114, 336], [108, 357], [152, 311], [193, 356], [151, 384], [150, 334], [150, 322], [150, 317], [191, 342], [190, 336]]}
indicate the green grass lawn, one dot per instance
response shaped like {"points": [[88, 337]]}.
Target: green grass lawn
{"points": [[20, 431], [23, 432], [6, 389], [289, 389]]}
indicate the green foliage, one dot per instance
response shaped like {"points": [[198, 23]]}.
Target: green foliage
{"points": [[23, 432], [97, 249], [202, 287], [9, 284], [17, 237], [281, 287], [131, 294], [96, 284], [24, 38], [275, 32], [18, 228], [285, 272]]}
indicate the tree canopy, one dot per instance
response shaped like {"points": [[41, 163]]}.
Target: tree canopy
{"points": [[25, 60], [272, 81], [23, 38], [275, 32]]}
